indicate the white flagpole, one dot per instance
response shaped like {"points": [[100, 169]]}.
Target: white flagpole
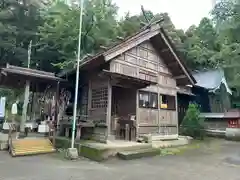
{"points": [[77, 76]]}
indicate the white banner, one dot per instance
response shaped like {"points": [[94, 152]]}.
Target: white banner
{"points": [[2, 106]]}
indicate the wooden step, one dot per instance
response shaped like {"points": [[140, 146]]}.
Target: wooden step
{"points": [[33, 149], [129, 155], [32, 152], [30, 141], [31, 146]]}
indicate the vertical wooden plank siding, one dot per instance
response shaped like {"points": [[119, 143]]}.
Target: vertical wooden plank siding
{"points": [[89, 95]]}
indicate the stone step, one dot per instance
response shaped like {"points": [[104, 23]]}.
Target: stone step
{"points": [[135, 146], [129, 155]]}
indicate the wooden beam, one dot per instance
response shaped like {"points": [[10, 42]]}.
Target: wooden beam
{"points": [[173, 64], [165, 50], [109, 109], [177, 58], [180, 77], [143, 23], [103, 47], [120, 38]]}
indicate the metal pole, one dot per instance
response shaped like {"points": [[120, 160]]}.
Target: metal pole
{"points": [[77, 76]]}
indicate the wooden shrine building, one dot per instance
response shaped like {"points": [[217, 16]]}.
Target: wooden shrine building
{"points": [[15, 77], [133, 85], [211, 92]]}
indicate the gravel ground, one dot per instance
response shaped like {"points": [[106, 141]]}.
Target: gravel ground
{"points": [[218, 160]]}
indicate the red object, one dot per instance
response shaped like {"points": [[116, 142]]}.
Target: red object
{"points": [[233, 116], [234, 123]]}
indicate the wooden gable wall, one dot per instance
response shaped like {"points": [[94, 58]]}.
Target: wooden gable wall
{"points": [[143, 62]]}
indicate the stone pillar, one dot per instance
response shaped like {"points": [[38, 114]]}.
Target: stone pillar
{"points": [[79, 132], [67, 132]]}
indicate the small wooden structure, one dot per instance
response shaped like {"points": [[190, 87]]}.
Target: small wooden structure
{"points": [[233, 117], [15, 77], [132, 87], [219, 124]]}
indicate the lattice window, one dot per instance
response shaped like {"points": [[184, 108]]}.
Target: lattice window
{"points": [[99, 97]]}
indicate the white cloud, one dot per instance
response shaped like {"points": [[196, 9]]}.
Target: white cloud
{"points": [[183, 13]]}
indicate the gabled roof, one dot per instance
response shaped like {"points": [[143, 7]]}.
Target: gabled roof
{"points": [[159, 40], [30, 73], [211, 80]]}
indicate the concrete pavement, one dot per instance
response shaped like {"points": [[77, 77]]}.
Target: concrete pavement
{"points": [[206, 163]]}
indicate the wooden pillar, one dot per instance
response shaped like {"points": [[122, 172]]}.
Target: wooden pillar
{"points": [[55, 124], [32, 103], [137, 114], [109, 109], [159, 111], [177, 113], [56, 104]]}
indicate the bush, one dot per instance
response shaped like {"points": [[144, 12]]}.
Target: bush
{"points": [[193, 124]]}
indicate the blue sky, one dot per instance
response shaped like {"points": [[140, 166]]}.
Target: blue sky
{"points": [[183, 13]]}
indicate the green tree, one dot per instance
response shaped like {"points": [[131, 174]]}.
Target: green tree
{"points": [[226, 16], [193, 124], [59, 34], [19, 20]]}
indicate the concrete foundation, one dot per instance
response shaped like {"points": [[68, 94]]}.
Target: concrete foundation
{"points": [[233, 134], [72, 153], [181, 141]]}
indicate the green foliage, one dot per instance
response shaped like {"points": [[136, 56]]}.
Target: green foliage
{"points": [[19, 20], [53, 27], [192, 124], [59, 34]]}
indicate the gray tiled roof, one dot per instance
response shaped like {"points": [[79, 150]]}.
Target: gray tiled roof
{"points": [[211, 79]]}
